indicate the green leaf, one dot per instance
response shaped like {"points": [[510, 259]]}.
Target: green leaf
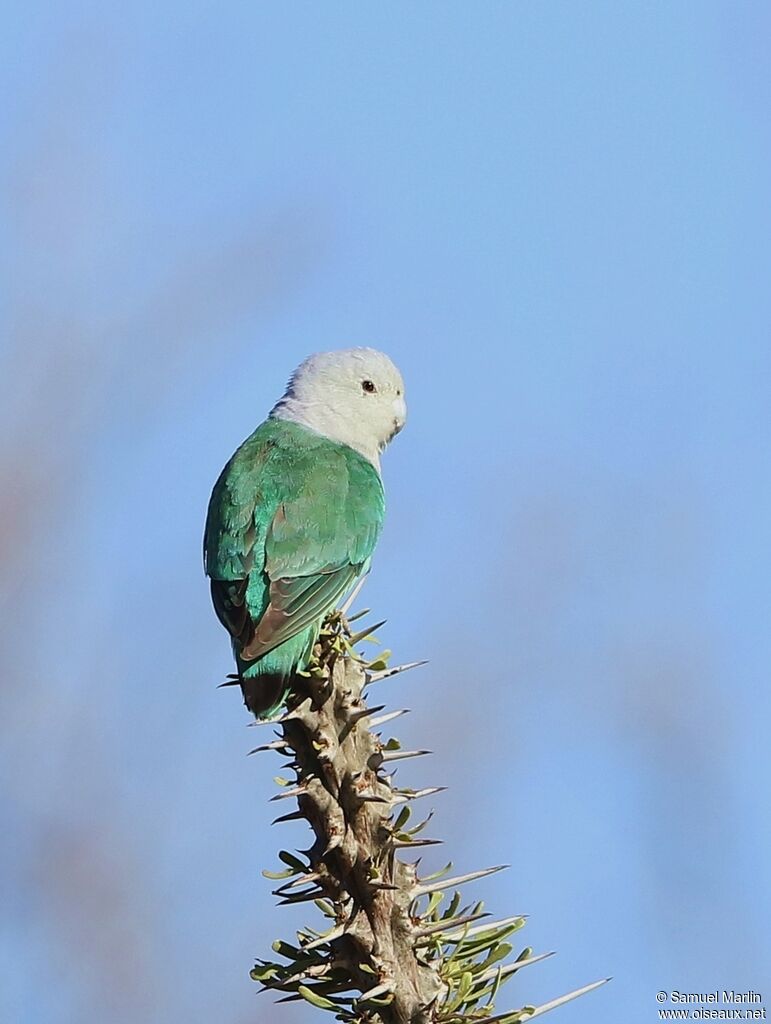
{"points": [[463, 989], [434, 899], [499, 953], [276, 876], [263, 972], [285, 949], [292, 861], [494, 989], [401, 819], [452, 909], [315, 999], [385, 1000], [381, 662], [419, 828], [438, 874]]}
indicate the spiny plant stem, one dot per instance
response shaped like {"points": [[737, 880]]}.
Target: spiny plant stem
{"points": [[388, 954]]}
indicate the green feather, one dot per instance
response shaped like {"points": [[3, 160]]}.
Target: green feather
{"points": [[292, 523]]}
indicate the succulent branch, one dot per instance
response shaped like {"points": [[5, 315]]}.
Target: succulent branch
{"points": [[397, 948]]}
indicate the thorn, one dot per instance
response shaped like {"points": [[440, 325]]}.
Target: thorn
{"points": [[358, 615], [297, 791], [276, 720], [388, 718], [354, 638], [311, 974], [545, 1007], [404, 795], [490, 926], [401, 844], [294, 816], [383, 886], [311, 876], [448, 883], [378, 990], [334, 842], [508, 969], [441, 926], [357, 716], [289, 716], [329, 937], [300, 897], [375, 677], [400, 755], [278, 985], [353, 595], [275, 745]]}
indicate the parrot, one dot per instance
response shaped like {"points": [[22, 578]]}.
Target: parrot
{"points": [[295, 515]]}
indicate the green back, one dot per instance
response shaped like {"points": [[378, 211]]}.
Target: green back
{"points": [[292, 522]]}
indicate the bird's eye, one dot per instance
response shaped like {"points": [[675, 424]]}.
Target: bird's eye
{"points": [[368, 386]]}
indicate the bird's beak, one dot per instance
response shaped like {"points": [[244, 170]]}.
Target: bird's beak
{"points": [[400, 410], [400, 414]]}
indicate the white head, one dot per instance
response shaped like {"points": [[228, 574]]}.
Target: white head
{"points": [[354, 396]]}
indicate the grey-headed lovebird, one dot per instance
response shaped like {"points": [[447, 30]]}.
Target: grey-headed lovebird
{"points": [[296, 513]]}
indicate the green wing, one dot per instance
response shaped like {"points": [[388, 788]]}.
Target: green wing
{"points": [[234, 537], [294, 525]]}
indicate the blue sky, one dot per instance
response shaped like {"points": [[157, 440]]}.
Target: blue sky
{"points": [[555, 218]]}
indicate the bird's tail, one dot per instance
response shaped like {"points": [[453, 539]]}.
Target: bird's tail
{"points": [[267, 680], [264, 693]]}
